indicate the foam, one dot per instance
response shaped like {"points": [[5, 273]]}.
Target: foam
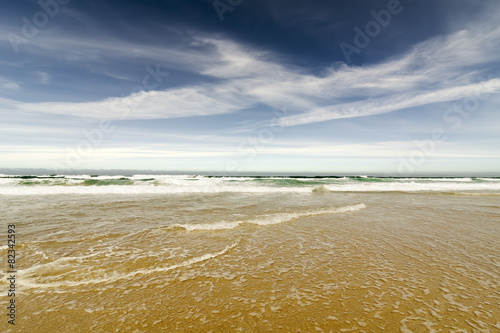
{"points": [[146, 189], [448, 179], [268, 219], [413, 187], [26, 282], [9, 181], [56, 263], [176, 184]]}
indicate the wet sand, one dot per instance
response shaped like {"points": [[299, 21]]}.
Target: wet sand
{"points": [[417, 262]]}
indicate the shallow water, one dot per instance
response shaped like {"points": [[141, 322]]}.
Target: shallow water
{"points": [[277, 261]]}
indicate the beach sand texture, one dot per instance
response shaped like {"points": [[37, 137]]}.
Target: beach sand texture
{"points": [[275, 261]]}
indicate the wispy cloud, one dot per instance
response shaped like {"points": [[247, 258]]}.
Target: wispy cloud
{"points": [[389, 104], [9, 84], [173, 103], [100, 47], [43, 77], [244, 77]]}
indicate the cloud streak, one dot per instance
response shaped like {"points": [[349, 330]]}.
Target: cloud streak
{"points": [[240, 77], [389, 104]]}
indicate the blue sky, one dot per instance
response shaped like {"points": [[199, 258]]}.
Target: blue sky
{"points": [[359, 87]]}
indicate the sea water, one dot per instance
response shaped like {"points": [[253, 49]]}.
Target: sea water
{"points": [[150, 253]]}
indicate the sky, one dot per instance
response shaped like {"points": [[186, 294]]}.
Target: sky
{"points": [[232, 86]]}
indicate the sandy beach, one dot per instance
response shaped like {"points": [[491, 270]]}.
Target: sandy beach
{"points": [[284, 261]]}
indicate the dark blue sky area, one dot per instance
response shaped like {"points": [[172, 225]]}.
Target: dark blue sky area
{"points": [[305, 31]]}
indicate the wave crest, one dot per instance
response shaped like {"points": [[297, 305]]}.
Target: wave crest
{"points": [[268, 219]]}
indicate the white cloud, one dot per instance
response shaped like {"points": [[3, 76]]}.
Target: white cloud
{"points": [[11, 86], [8, 84], [389, 104], [173, 103], [442, 69]]}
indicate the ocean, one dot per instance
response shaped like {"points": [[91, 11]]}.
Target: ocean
{"points": [[187, 253]]}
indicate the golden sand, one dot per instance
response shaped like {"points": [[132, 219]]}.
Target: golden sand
{"points": [[405, 263]]}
